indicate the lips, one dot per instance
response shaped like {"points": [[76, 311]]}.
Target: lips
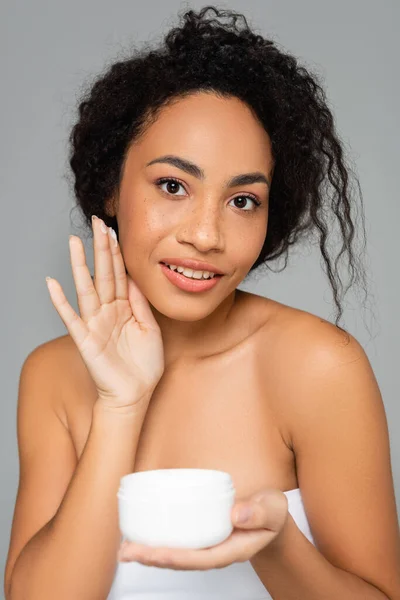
{"points": [[174, 271], [186, 283], [190, 263]]}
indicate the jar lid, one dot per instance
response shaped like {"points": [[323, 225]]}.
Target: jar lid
{"points": [[172, 479], [174, 495]]}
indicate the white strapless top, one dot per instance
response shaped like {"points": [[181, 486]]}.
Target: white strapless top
{"points": [[238, 581]]}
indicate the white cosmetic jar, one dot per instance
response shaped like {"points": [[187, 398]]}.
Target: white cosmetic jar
{"points": [[177, 508]]}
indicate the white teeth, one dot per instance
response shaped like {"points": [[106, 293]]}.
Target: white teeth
{"points": [[191, 273]]}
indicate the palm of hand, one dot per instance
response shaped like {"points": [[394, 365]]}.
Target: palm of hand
{"points": [[111, 350], [117, 335]]}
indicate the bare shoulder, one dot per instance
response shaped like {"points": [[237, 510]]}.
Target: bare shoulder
{"points": [[296, 348], [67, 374], [312, 341], [302, 338]]}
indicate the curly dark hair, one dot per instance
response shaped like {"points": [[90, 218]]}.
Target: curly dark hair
{"points": [[311, 179]]}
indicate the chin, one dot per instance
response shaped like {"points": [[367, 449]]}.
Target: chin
{"points": [[186, 309]]}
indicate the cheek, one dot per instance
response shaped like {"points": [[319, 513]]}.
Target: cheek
{"points": [[154, 221], [247, 245], [142, 225]]}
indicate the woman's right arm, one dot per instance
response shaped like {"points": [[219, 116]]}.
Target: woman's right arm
{"points": [[73, 553], [67, 548]]}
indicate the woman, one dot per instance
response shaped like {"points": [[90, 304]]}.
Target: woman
{"points": [[207, 157]]}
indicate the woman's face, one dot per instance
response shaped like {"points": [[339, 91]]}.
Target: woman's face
{"points": [[200, 216]]}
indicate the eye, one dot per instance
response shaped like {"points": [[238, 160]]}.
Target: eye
{"points": [[248, 197], [172, 183]]}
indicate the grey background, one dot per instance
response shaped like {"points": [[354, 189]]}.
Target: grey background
{"points": [[48, 50]]}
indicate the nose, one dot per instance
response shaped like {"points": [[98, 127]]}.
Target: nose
{"points": [[203, 227]]}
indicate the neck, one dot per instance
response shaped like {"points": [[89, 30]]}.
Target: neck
{"points": [[195, 339]]}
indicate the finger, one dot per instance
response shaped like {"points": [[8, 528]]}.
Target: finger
{"points": [[88, 300], [239, 547], [104, 278], [269, 510], [140, 306], [75, 325], [121, 283]]}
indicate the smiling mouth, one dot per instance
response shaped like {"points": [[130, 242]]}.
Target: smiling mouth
{"points": [[214, 275]]}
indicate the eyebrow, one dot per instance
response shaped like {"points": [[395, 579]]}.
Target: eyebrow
{"points": [[196, 171]]}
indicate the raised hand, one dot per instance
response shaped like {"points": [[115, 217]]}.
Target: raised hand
{"points": [[116, 333]]}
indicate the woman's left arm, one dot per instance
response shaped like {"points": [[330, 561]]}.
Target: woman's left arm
{"points": [[298, 571], [341, 443]]}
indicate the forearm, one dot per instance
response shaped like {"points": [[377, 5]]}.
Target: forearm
{"points": [[296, 570], [74, 555]]}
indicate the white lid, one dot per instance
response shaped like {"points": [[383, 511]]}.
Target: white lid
{"points": [[163, 480]]}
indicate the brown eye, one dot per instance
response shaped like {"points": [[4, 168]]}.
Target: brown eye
{"points": [[243, 199], [172, 185]]}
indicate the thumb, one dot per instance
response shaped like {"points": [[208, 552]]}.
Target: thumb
{"points": [[267, 509]]}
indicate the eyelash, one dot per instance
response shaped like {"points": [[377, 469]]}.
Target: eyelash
{"points": [[250, 196]]}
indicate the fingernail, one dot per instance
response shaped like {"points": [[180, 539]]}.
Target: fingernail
{"points": [[243, 514], [113, 235], [49, 281]]}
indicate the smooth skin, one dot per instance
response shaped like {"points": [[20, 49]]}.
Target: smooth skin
{"points": [[267, 392]]}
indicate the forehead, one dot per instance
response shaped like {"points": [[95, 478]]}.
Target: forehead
{"points": [[204, 125]]}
